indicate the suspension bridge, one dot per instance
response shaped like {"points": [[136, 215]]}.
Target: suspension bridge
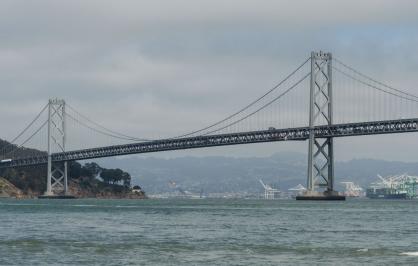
{"points": [[322, 99]]}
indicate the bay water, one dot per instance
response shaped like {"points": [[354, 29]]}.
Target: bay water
{"points": [[208, 232]]}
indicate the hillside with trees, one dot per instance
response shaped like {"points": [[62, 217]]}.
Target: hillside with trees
{"points": [[88, 180]]}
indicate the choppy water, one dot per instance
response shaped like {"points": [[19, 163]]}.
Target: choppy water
{"points": [[208, 232]]}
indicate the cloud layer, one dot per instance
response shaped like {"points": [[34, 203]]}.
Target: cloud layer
{"points": [[161, 68]]}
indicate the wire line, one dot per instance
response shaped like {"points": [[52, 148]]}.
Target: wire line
{"points": [[376, 81], [100, 131], [249, 105], [23, 143], [112, 132], [373, 86], [27, 127], [262, 107]]}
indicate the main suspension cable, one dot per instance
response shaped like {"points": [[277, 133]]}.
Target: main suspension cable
{"points": [[27, 127], [249, 105], [100, 131], [112, 132], [262, 107], [373, 86], [374, 80], [27, 140]]}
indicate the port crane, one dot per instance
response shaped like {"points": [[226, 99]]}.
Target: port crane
{"points": [[403, 183], [269, 192]]}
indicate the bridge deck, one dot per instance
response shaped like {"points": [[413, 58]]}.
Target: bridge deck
{"points": [[301, 133]]}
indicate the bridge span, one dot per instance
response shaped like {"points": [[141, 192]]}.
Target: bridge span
{"points": [[269, 135], [320, 100]]}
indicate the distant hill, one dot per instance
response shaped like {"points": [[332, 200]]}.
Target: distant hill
{"points": [[227, 174]]}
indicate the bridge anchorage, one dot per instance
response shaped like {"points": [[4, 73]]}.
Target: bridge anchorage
{"points": [[320, 150]]}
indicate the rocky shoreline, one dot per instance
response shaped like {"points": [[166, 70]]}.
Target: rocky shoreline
{"points": [[80, 188], [8, 190]]}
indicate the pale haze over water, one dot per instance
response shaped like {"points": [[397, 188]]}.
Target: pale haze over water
{"points": [[208, 232]]}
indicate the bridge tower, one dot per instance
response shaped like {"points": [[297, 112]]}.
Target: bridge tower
{"points": [[57, 182], [320, 184]]}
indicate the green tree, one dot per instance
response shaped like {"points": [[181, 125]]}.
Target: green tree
{"points": [[92, 169], [115, 176]]}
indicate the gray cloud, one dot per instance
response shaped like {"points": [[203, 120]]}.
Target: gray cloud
{"points": [[161, 68]]}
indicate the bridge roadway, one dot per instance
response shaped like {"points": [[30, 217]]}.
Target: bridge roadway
{"points": [[300, 133]]}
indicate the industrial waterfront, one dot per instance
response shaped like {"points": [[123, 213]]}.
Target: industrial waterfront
{"points": [[207, 232]]}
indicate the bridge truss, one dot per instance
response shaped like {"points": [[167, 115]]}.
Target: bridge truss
{"points": [[271, 135], [352, 104]]}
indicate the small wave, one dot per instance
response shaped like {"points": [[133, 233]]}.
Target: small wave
{"points": [[410, 253], [83, 205], [362, 250], [23, 204]]}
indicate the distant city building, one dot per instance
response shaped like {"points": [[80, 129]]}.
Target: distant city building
{"points": [[352, 189]]}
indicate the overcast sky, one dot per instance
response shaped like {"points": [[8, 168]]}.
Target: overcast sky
{"points": [[168, 67]]}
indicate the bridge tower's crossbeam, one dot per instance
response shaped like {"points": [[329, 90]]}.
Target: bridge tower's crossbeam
{"points": [[57, 182], [320, 150]]}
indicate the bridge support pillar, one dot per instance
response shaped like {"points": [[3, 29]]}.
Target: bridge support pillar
{"points": [[57, 181], [320, 184]]}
